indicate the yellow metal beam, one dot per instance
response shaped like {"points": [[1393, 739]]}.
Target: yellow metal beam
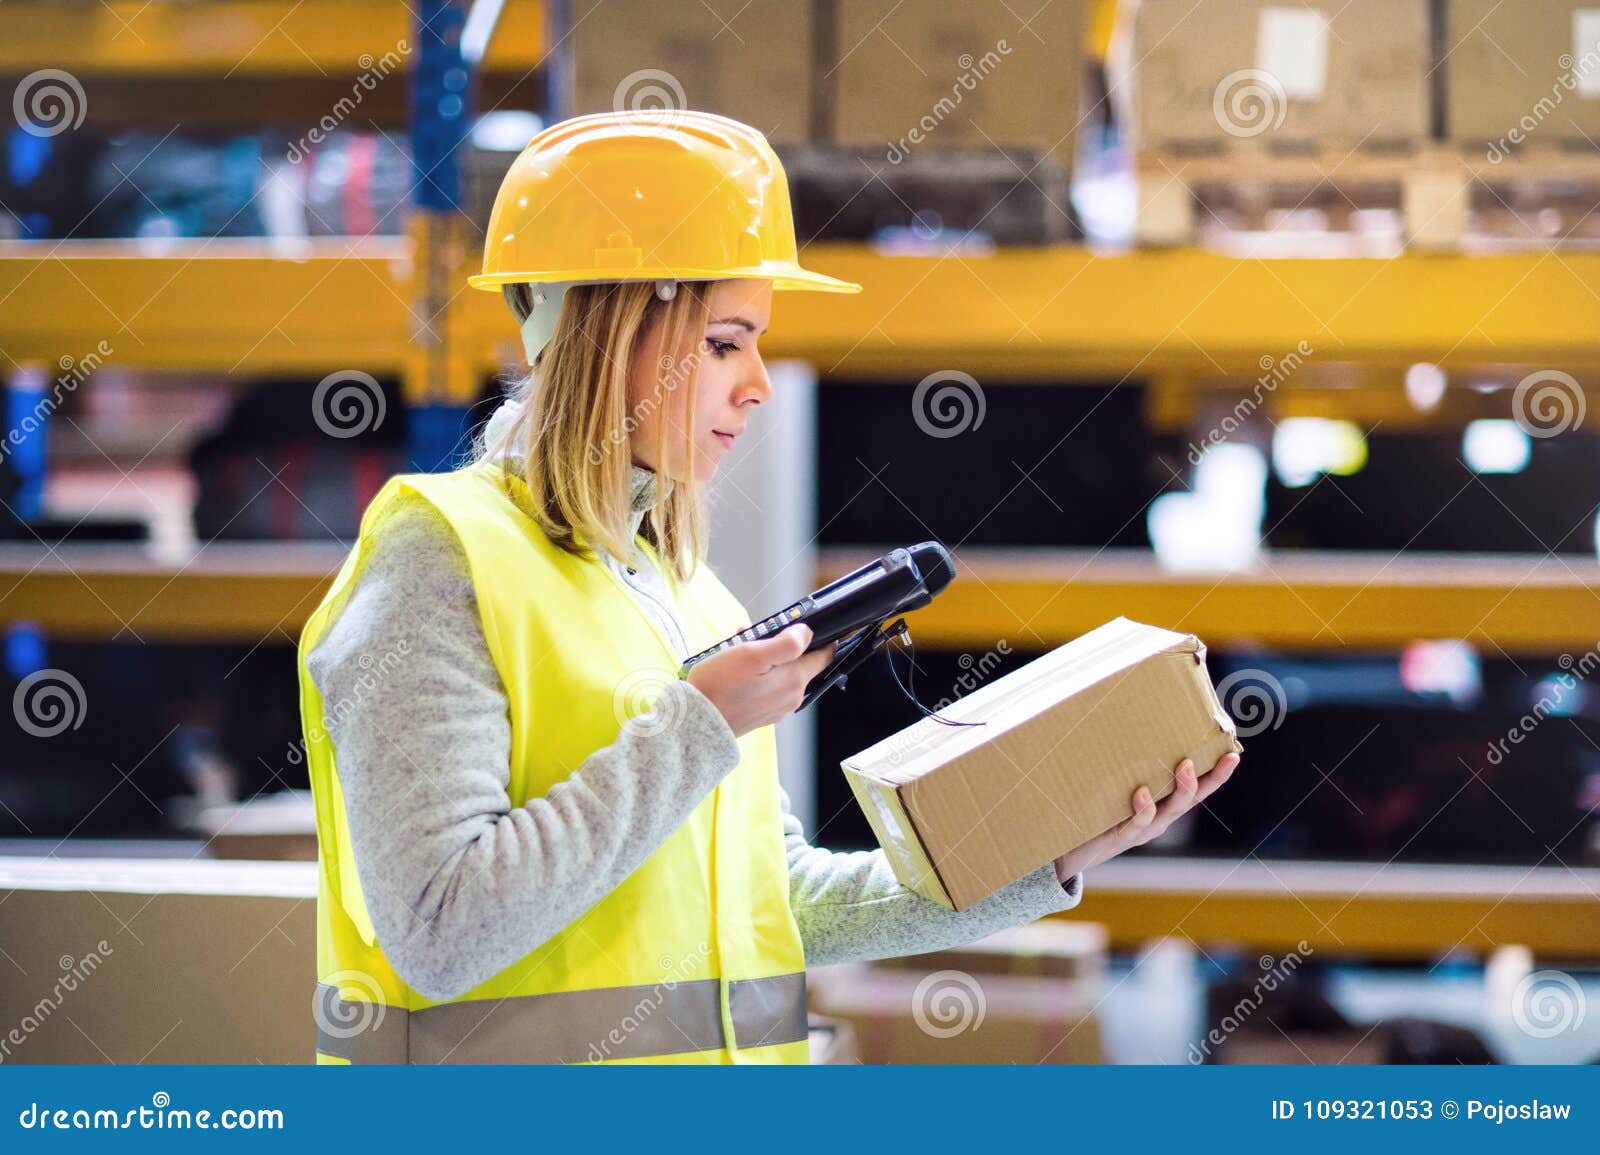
{"points": [[222, 592], [1371, 396], [223, 305], [1295, 601], [1058, 313], [234, 37], [1306, 602], [1392, 911]]}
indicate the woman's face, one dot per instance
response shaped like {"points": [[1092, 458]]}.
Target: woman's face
{"points": [[731, 381]]}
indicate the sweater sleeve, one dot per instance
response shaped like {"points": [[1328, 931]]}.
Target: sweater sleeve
{"points": [[850, 907], [459, 883]]}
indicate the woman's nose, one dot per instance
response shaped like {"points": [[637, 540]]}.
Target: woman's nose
{"points": [[756, 385]]}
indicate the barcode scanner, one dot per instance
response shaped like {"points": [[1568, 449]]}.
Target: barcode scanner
{"points": [[855, 611]]}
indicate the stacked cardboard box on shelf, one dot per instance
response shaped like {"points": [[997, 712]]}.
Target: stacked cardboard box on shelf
{"points": [[889, 114], [899, 1017], [1231, 72], [1025, 995], [1246, 106], [978, 76], [159, 960], [753, 63], [1532, 68], [1052, 948]]}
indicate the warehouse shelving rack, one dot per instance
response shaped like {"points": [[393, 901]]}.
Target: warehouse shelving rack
{"points": [[1181, 318]]}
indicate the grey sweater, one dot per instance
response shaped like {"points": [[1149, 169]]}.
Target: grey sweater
{"points": [[461, 884]]}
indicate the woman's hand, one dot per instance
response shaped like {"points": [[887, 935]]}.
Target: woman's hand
{"points": [[757, 683], [1149, 819]]}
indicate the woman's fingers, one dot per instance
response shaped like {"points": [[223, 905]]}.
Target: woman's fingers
{"points": [[1150, 818], [1220, 773], [812, 664], [787, 645], [1144, 809]]}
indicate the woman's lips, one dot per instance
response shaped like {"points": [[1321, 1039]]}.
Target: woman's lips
{"points": [[725, 438]]}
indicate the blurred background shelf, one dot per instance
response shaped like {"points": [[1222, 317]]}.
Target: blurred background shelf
{"points": [[1052, 313], [274, 38], [1303, 601], [1343, 908], [224, 592], [1295, 600]]}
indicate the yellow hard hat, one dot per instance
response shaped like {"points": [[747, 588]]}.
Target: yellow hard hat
{"points": [[661, 195]]}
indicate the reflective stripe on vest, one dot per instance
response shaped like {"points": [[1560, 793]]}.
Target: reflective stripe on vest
{"points": [[565, 1027]]}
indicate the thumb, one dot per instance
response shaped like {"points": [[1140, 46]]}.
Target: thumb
{"points": [[787, 645]]}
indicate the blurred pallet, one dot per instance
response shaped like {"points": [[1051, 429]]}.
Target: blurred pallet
{"points": [[1443, 196], [1014, 196]]}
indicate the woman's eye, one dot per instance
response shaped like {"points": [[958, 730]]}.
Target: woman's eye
{"points": [[721, 348]]}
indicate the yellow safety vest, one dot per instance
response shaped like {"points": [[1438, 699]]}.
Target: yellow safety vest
{"points": [[695, 957]]}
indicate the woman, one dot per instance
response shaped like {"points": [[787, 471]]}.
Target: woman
{"points": [[538, 842]]}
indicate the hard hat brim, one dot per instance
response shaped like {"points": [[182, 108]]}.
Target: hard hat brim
{"points": [[785, 277]]}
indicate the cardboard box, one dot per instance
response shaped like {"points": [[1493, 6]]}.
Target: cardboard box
{"points": [[1339, 72], [932, 75], [951, 1017], [157, 961], [1508, 62], [962, 811], [753, 61], [280, 826], [831, 1042], [1052, 948]]}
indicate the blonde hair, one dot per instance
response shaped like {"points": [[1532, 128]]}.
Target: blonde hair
{"points": [[574, 429]]}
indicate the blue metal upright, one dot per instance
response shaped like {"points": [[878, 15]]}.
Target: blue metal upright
{"points": [[441, 101]]}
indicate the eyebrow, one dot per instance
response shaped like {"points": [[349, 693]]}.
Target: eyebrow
{"points": [[740, 321]]}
